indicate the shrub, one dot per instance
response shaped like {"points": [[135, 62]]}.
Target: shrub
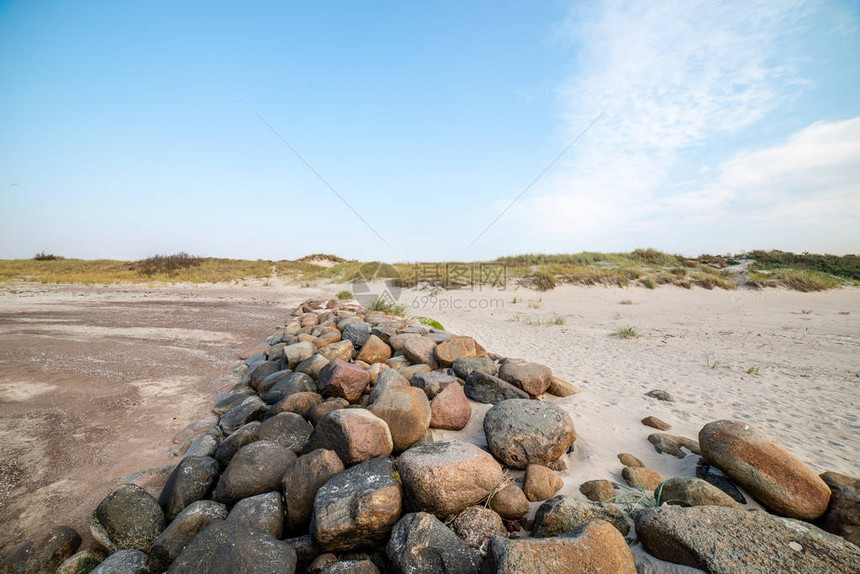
{"points": [[42, 256], [345, 295], [544, 280], [167, 264]]}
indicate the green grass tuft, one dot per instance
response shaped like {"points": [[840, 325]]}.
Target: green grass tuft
{"points": [[430, 322], [345, 295]]}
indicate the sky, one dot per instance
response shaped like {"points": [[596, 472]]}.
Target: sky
{"points": [[409, 131]]}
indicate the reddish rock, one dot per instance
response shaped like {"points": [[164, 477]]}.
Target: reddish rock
{"points": [[458, 347], [450, 410], [530, 377], [299, 403], [374, 350], [656, 423], [355, 435], [324, 408], [341, 379]]}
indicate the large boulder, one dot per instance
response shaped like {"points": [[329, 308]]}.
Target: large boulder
{"points": [[530, 377], [299, 403], [450, 409], [341, 379], [230, 547], [421, 543], [421, 350], [843, 512], [593, 547], [255, 469], [245, 434], [386, 379], [194, 518], [259, 371], [693, 492], [522, 432], [127, 518], [303, 480], [774, 476], [298, 352], [457, 347], [406, 410], [289, 385], [465, 366], [287, 429], [491, 390], [358, 507], [191, 480], [264, 512], [242, 412], [443, 478], [562, 514], [122, 562], [312, 366], [43, 552], [355, 435], [722, 540]]}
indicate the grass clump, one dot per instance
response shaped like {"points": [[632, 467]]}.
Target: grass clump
{"points": [[386, 306], [167, 264], [430, 322], [625, 302], [345, 295], [626, 333], [42, 256], [544, 280], [754, 371], [798, 280]]}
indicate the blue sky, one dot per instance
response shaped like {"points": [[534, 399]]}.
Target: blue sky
{"points": [[129, 128]]}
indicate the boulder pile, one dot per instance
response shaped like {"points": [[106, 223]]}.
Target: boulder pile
{"points": [[322, 459]]}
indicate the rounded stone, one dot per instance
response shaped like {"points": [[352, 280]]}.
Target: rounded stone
{"points": [[522, 432]]}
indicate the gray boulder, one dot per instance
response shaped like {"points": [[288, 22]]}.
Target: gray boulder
{"points": [[490, 390], [562, 514], [303, 480], [357, 333], [465, 366], [191, 480], [291, 384], [245, 434], [255, 469], [123, 562], [196, 516], [242, 412], [264, 512], [289, 430], [521, 432], [421, 543], [127, 518]]}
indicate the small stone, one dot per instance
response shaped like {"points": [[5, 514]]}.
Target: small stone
{"points": [[598, 490], [421, 543], [312, 367], [562, 514], [127, 518], [674, 445], [266, 384], [641, 477], [561, 388], [477, 525], [255, 374], [42, 552], [434, 382], [409, 371], [298, 403], [241, 413], [660, 395], [298, 352], [656, 423], [628, 459], [289, 385], [509, 501], [541, 483]]}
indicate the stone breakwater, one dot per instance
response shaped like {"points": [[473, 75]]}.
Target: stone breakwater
{"points": [[322, 459]]}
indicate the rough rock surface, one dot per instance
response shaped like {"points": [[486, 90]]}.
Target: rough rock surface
{"points": [[255, 469], [457, 347], [477, 525], [450, 409], [242, 412], [127, 518], [628, 459], [521, 432], [593, 547], [421, 543], [561, 388], [713, 475], [491, 390], [656, 423], [723, 540], [510, 502], [406, 411], [641, 477], [82, 561], [843, 512], [445, 477], [693, 492], [123, 562], [358, 507], [533, 378], [674, 445], [562, 514], [287, 429], [341, 379], [42, 552], [303, 480], [374, 350], [600, 490], [263, 512], [465, 366], [541, 482], [434, 382], [421, 351], [774, 476], [196, 516], [355, 435], [191, 480]]}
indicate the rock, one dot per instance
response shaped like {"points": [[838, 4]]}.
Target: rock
{"points": [[351, 567], [355, 435], [385, 331], [123, 562], [541, 483], [327, 339], [561, 388], [641, 477], [598, 490], [299, 403], [357, 333], [510, 502], [530, 377], [450, 409], [327, 406], [465, 366], [374, 350], [421, 350], [487, 389], [593, 547], [522, 432], [191, 480], [223, 402], [229, 547], [774, 476], [341, 379], [343, 350], [286, 429], [264, 512], [558, 465], [306, 550], [81, 562], [241, 413], [457, 347], [289, 385], [298, 352], [320, 562], [302, 481], [196, 516], [843, 513], [628, 459], [266, 384], [476, 525], [409, 371], [693, 492], [127, 518], [713, 475], [254, 375], [656, 423], [206, 444], [255, 469], [406, 410], [433, 383], [671, 444], [562, 514], [660, 395], [245, 434], [312, 366], [358, 507], [196, 428], [722, 540], [375, 370], [397, 341], [42, 552], [421, 543], [388, 379], [446, 477]]}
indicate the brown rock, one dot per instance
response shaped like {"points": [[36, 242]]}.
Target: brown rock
{"points": [[530, 377], [509, 501], [374, 350], [406, 410], [774, 476], [303, 480], [42, 552], [421, 350], [355, 435], [641, 477], [598, 490], [327, 339], [321, 410], [397, 341], [843, 512], [457, 347], [300, 403], [477, 525], [656, 423], [341, 379], [320, 562], [693, 492], [521, 432], [375, 370], [409, 371], [541, 483], [562, 514], [450, 409], [674, 445], [593, 547], [343, 350], [561, 388], [628, 459]]}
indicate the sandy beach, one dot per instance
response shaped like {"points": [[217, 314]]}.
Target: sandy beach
{"points": [[96, 381]]}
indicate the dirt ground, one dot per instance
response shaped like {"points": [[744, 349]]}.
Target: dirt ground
{"points": [[96, 381]]}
